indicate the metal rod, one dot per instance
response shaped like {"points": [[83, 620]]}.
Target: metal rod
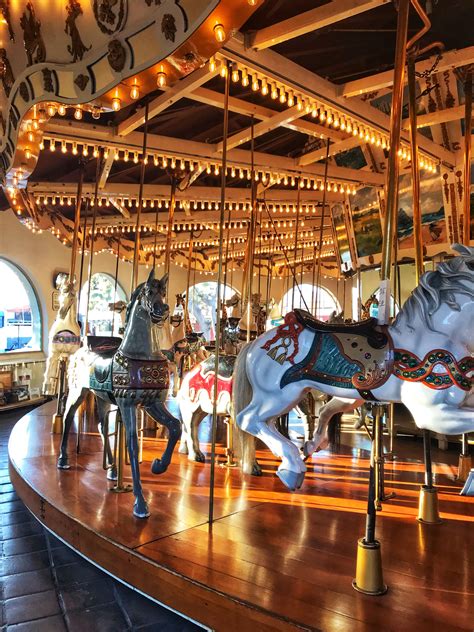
{"points": [[371, 517], [136, 251], [155, 240], [467, 156], [77, 221], [115, 284], [219, 290], [321, 227], [91, 255], [253, 221], [395, 130], [169, 232], [464, 445], [415, 171], [427, 455], [295, 247], [84, 232]]}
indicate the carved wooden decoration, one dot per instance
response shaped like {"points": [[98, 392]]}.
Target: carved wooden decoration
{"points": [[93, 48], [32, 39], [77, 48]]}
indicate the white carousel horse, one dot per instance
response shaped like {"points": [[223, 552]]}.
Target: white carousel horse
{"points": [[127, 373], [424, 359], [64, 335]]}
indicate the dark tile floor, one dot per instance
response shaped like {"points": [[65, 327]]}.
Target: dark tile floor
{"points": [[48, 588]]}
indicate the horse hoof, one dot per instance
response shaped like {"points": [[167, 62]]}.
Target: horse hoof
{"points": [[157, 467], [199, 457], [140, 509], [256, 469], [63, 464], [112, 474], [292, 480]]}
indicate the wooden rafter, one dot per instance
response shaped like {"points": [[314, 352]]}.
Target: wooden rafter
{"points": [[309, 21]]}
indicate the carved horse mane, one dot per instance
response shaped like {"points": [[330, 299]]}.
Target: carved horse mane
{"points": [[437, 287]]}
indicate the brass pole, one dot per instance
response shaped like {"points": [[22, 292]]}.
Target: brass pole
{"points": [[91, 254], [77, 220], [136, 251], [219, 291], [391, 210], [467, 155], [321, 230], [169, 232], [415, 171], [252, 231], [295, 247], [115, 284], [188, 277]]}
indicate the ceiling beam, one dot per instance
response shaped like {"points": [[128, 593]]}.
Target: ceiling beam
{"points": [[300, 80], [105, 170], [239, 106], [439, 116], [261, 128], [449, 60], [336, 148], [204, 152], [178, 91], [310, 21]]}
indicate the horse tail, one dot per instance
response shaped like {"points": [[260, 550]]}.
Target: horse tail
{"points": [[334, 432], [241, 397]]}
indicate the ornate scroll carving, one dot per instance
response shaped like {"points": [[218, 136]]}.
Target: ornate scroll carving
{"points": [[77, 48], [117, 55], [32, 39], [110, 15], [81, 82], [48, 80], [5, 11], [6, 72]]}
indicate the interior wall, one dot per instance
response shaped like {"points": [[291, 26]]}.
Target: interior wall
{"points": [[39, 256]]}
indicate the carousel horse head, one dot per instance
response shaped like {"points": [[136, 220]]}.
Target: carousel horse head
{"points": [[148, 300], [67, 296]]}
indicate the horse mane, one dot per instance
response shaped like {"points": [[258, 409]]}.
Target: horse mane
{"points": [[133, 299], [437, 287]]}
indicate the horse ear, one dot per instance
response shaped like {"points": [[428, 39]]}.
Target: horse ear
{"points": [[151, 276], [164, 281]]}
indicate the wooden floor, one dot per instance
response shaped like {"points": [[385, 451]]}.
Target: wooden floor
{"points": [[273, 560]]}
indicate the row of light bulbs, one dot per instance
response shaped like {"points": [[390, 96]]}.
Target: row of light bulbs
{"points": [[325, 115], [277, 250], [210, 205], [188, 164]]}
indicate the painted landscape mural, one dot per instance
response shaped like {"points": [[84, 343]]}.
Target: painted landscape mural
{"points": [[432, 211], [366, 222], [342, 237]]}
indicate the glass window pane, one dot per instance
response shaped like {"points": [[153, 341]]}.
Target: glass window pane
{"points": [[202, 307], [20, 319], [102, 320], [305, 296]]}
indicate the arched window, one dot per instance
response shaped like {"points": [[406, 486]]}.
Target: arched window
{"points": [[202, 307], [325, 302], [20, 317], [102, 320]]}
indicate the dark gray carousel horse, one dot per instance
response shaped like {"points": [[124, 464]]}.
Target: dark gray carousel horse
{"points": [[127, 373]]}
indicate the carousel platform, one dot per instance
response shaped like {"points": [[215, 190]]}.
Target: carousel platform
{"points": [[273, 560]]}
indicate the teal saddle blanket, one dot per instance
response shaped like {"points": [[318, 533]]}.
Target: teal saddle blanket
{"points": [[325, 363]]}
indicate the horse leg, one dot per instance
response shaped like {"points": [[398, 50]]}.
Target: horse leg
{"points": [[194, 451], [327, 412], [436, 410], [186, 409], [161, 414], [103, 409], [129, 419], [292, 468], [74, 400]]}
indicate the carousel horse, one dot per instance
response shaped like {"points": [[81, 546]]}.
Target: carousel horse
{"points": [[424, 360], [196, 397], [127, 373], [64, 335]]}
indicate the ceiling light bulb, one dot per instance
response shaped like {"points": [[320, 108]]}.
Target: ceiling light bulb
{"points": [[135, 92], [62, 110], [27, 153], [235, 73], [31, 137], [74, 149], [245, 78], [64, 148], [161, 79], [52, 145], [274, 93], [51, 109], [255, 84], [78, 113], [291, 99], [212, 64], [116, 104], [219, 33], [282, 95], [264, 89]]}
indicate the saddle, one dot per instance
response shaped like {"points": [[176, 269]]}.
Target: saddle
{"points": [[104, 346], [365, 328]]}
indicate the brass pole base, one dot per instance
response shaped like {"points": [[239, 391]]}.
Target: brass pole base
{"points": [[57, 424], [428, 506], [369, 574], [464, 467], [121, 489]]}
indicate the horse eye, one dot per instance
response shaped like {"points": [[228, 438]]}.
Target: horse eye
{"points": [[470, 265]]}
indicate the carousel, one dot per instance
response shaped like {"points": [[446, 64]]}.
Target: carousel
{"points": [[233, 444]]}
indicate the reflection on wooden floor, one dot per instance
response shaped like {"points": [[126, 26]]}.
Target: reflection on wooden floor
{"points": [[273, 560]]}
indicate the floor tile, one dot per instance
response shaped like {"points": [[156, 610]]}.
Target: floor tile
{"points": [[27, 583], [87, 595], [9, 507], [24, 563], [50, 624], [30, 607], [78, 573], [65, 555], [16, 517], [28, 544], [142, 611], [14, 531], [103, 619]]}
